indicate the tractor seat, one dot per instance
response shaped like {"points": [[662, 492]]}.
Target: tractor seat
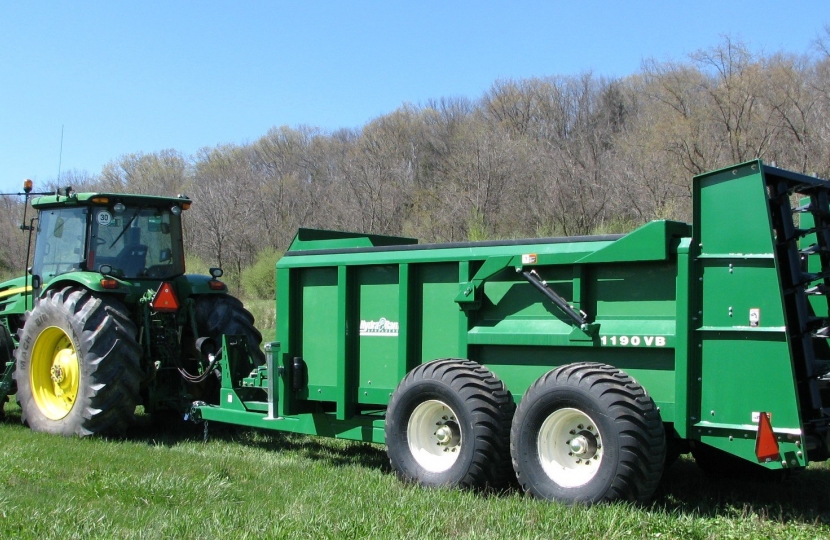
{"points": [[132, 260]]}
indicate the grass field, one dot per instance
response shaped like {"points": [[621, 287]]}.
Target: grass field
{"points": [[247, 484]]}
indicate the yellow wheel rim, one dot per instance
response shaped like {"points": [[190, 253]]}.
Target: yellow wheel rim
{"points": [[54, 373]]}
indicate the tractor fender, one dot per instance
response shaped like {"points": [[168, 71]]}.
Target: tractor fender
{"points": [[87, 280], [194, 284]]}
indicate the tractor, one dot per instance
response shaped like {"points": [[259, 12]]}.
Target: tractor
{"points": [[106, 320]]}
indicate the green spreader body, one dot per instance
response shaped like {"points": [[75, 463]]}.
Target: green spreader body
{"points": [[722, 321]]}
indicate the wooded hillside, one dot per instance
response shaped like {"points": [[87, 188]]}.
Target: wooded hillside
{"points": [[558, 155]]}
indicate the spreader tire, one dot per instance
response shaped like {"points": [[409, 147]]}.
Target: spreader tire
{"points": [[78, 369], [219, 314], [448, 424], [585, 433]]}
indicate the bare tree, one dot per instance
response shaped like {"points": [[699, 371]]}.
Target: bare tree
{"points": [[161, 173], [223, 221]]}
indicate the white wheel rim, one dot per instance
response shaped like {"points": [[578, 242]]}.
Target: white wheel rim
{"points": [[570, 447], [434, 436]]}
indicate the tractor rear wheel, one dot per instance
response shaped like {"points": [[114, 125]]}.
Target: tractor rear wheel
{"points": [[78, 370], [585, 433], [224, 314], [448, 424]]}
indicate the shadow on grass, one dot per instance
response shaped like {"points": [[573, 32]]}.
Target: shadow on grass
{"points": [[9, 413], [338, 453], [803, 497]]}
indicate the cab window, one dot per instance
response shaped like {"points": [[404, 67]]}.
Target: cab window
{"points": [[60, 242], [138, 242]]}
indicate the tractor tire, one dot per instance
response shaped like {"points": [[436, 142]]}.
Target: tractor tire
{"points": [[78, 365], [219, 314], [585, 433], [448, 424]]}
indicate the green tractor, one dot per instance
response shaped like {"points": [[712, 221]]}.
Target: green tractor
{"points": [[107, 320]]}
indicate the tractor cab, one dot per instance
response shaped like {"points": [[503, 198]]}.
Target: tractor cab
{"points": [[107, 320], [129, 237]]}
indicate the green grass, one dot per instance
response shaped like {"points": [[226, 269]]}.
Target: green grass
{"points": [[247, 484]]}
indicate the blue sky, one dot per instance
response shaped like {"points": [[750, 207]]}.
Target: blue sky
{"points": [[122, 78]]}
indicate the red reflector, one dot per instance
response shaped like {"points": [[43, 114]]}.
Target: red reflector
{"points": [[216, 285], [766, 445], [165, 299], [109, 284]]}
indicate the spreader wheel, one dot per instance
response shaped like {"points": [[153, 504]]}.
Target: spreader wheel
{"points": [[448, 424], [586, 433]]}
